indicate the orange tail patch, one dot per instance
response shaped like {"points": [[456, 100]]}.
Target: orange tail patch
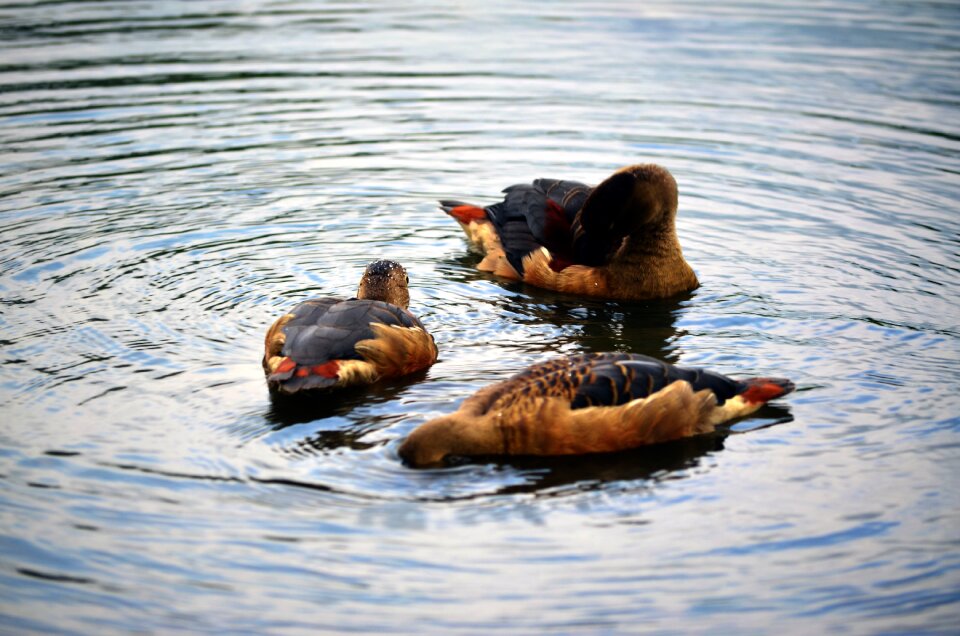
{"points": [[327, 369], [762, 390], [286, 365], [467, 213]]}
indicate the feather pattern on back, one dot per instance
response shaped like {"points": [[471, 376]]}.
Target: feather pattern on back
{"points": [[615, 240], [589, 403], [332, 342]]}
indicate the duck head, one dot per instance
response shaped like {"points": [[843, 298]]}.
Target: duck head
{"points": [[637, 200], [387, 281], [451, 435], [644, 194]]}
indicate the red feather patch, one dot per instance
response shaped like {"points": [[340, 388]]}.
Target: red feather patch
{"points": [[286, 365], [467, 213], [558, 264], [557, 236], [327, 369], [556, 228], [761, 391]]}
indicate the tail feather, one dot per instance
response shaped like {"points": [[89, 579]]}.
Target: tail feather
{"points": [[762, 390], [296, 384], [290, 377], [463, 212], [448, 204]]}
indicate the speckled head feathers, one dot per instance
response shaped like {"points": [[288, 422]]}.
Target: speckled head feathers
{"points": [[387, 281]]}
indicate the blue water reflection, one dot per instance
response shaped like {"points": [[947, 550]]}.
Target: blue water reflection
{"points": [[174, 175]]}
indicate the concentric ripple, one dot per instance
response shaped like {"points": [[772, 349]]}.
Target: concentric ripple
{"points": [[175, 175]]}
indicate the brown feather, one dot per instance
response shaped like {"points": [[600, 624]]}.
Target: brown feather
{"points": [[548, 426], [533, 412], [648, 263], [273, 343], [317, 345], [397, 351], [483, 237]]}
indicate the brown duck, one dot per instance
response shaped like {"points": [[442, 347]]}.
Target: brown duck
{"points": [[327, 343], [588, 403], [617, 240]]}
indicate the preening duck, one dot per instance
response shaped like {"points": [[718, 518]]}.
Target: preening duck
{"points": [[588, 403], [327, 343], [617, 240]]}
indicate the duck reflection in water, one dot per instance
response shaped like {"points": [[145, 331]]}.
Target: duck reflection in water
{"points": [[644, 326]]}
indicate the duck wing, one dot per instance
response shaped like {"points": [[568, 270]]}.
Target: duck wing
{"points": [[535, 215], [318, 332], [601, 222], [609, 379], [322, 331], [612, 381], [589, 403]]}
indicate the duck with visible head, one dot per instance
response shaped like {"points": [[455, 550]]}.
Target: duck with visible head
{"points": [[617, 240], [588, 403], [328, 343]]}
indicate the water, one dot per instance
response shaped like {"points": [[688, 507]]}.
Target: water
{"points": [[173, 175]]}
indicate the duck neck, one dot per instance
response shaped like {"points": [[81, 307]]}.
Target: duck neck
{"points": [[651, 243], [650, 264], [384, 292]]}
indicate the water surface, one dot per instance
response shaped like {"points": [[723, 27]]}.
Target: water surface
{"points": [[174, 175]]}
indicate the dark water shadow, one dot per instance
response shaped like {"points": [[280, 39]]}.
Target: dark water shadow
{"points": [[323, 441], [552, 476], [288, 410], [645, 327], [636, 327]]}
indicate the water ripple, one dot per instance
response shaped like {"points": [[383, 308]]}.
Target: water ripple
{"points": [[175, 175]]}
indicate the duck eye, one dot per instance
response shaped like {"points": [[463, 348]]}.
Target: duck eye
{"points": [[408, 280]]}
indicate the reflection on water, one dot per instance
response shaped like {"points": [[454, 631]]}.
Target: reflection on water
{"points": [[173, 175], [550, 477]]}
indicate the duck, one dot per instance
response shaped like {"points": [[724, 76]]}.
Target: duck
{"points": [[332, 343], [615, 241], [588, 403]]}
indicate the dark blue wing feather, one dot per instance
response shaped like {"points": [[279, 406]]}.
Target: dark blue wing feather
{"points": [[620, 378], [537, 215], [329, 329]]}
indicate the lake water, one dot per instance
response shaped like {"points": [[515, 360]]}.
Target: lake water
{"points": [[174, 175]]}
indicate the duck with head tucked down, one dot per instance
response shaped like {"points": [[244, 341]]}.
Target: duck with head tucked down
{"points": [[588, 403], [617, 240], [328, 343]]}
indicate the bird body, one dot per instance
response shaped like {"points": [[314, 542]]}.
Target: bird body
{"points": [[617, 240], [327, 343], [589, 403]]}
